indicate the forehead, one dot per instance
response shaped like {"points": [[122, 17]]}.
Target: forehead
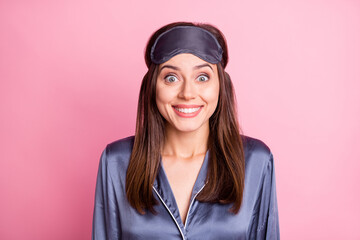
{"points": [[186, 60]]}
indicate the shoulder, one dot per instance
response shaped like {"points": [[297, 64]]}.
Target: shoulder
{"points": [[123, 146], [256, 152], [255, 145], [118, 152]]}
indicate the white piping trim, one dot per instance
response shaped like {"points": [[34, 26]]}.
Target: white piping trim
{"points": [[192, 201], [182, 235]]}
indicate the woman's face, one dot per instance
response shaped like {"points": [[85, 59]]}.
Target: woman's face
{"points": [[187, 92]]}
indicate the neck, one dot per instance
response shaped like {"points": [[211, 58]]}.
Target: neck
{"points": [[184, 145]]}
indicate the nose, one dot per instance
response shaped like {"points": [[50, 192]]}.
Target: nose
{"points": [[188, 90]]}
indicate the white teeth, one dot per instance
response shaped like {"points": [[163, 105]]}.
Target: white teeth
{"points": [[187, 110]]}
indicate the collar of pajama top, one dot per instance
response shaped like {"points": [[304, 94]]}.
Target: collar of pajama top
{"points": [[162, 188]]}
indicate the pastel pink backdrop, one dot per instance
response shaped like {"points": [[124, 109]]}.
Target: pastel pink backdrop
{"points": [[70, 74]]}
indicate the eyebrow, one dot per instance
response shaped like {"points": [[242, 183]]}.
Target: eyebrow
{"points": [[203, 65], [176, 68]]}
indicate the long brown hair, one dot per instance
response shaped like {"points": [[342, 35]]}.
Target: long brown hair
{"points": [[226, 170]]}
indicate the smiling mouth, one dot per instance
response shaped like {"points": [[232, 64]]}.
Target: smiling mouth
{"points": [[187, 110]]}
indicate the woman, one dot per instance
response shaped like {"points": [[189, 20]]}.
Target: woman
{"points": [[187, 173]]}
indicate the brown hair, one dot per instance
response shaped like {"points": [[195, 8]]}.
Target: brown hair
{"points": [[226, 170]]}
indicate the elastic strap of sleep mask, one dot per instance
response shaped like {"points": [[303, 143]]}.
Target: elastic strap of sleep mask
{"points": [[186, 39]]}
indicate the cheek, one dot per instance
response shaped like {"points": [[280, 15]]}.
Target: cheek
{"points": [[163, 97], [211, 95]]}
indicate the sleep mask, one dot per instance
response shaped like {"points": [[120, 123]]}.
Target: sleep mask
{"points": [[186, 39]]}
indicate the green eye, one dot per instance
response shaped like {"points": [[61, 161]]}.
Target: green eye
{"points": [[203, 78], [170, 78]]}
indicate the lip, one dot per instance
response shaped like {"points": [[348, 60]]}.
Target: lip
{"points": [[187, 115], [186, 106]]}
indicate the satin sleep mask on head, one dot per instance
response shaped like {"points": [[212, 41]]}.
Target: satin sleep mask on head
{"points": [[186, 39]]}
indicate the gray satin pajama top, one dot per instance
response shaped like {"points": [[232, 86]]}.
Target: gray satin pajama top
{"points": [[114, 218]]}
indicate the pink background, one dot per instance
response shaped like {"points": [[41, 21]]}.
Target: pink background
{"points": [[70, 74]]}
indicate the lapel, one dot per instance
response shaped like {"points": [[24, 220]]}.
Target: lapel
{"points": [[162, 186]]}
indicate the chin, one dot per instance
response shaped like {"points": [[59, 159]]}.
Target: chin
{"points": [[187, 128]]}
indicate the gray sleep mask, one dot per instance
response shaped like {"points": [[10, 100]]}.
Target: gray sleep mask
{"points": [[186, 39]]}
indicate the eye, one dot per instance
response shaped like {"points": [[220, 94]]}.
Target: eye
{"points": [[203, 78], [170, 78]]}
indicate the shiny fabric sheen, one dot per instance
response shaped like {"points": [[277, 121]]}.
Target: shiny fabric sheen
{"points": [[114, 218], [186, 39]]}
